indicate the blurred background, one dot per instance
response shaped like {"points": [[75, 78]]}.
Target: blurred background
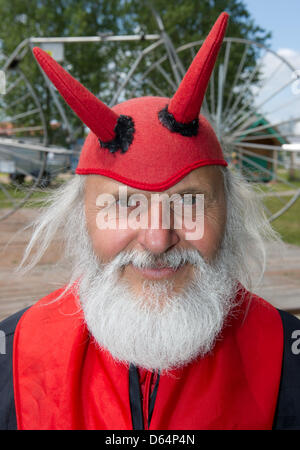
{"points": [[123, 49]]}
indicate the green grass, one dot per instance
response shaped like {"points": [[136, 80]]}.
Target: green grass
{"points": [[10, 192], [34, 201], [288, 224], [277, 187]]}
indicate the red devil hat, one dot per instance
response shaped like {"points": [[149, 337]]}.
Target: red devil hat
{"points": [[149, 143]]}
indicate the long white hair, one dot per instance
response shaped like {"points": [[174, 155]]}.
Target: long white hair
{"points": [[247, 228], [157, 329]]}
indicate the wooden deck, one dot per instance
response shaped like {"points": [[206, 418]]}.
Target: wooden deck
{"points": [[280, 285]]}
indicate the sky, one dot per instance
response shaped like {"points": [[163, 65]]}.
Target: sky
{"points": [[281, 17]]}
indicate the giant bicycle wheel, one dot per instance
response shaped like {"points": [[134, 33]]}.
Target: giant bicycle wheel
{"points": [[252, 103], [22, 131]]}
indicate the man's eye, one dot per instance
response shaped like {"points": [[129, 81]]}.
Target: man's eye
{"points": [[189, 200]]}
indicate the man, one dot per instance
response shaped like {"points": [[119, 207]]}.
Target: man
{"points": [[155, 329]]}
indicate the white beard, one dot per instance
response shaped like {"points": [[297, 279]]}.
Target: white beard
{"points": [[143, 330]]}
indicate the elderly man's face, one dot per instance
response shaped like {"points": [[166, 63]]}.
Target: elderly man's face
{"points": [[107, 243]]}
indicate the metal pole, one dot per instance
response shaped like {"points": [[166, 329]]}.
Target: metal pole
{"points": [[176, 64]]}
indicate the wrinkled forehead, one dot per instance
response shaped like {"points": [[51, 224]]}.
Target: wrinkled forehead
{"points": [[207, 180]]}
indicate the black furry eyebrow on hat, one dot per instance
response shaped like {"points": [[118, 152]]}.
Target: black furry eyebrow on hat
{"points": [[185, 129], [124, 131]]}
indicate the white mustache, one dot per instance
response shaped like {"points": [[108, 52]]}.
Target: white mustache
{"points": [[157, 328], [146, 260]]}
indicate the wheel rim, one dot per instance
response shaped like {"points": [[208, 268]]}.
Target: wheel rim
{"points": [[246, 110]]}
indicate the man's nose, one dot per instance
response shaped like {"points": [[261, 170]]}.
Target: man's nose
{"points": [[157, 237]]}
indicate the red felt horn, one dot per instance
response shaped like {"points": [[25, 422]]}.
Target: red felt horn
{"points": [[186, 102], [96, 115]]}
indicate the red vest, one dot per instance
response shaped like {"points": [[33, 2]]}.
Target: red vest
{"points": [[62, 380]]}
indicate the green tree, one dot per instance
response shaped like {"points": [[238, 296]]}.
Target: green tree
{"points": [[40, 18], [101, 67], [188, 21]]}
